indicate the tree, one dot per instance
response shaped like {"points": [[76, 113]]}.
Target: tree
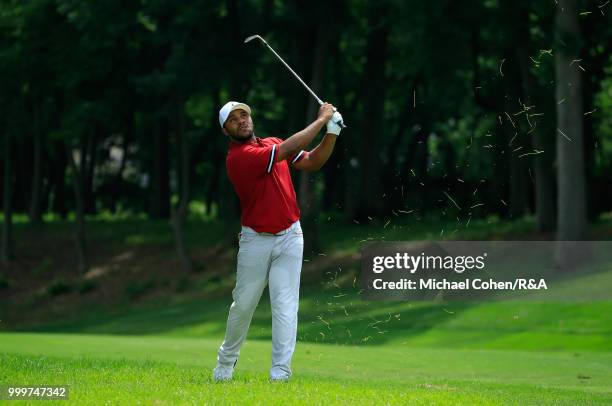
{"points": [[572, 215], [308, 199], [7, 229], [372, 125]]}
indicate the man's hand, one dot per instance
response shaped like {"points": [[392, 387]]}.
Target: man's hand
{"points": [[332, 125], [301, 139], [326, 111]]}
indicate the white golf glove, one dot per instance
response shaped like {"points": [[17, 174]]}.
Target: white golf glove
{"points": [[332, 125]]}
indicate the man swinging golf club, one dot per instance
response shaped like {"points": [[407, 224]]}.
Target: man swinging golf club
{"points": [[271, 240]]}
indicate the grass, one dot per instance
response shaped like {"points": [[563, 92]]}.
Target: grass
{"points": [[127, 232], [170, 370], [417, 353], [342, 318], [159, 346]]}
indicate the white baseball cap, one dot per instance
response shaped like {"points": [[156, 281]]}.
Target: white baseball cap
{"points": [[228, 108]]}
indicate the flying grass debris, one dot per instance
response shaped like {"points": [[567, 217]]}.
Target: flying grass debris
{"points": [[324, 322], [536, 152], [563, 134], [513, 138], [532, 128], [404, 211], [451, 199], [510, 118]]}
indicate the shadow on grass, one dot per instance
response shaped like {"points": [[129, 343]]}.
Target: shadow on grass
{"points": [[323, 317]]}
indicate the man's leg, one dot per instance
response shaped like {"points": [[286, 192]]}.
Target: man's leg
{"points": [[284, 285], [252, 274]]}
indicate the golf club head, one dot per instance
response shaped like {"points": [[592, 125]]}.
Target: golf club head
{"points": [[252, 37]]}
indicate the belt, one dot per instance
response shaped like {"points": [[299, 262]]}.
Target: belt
{"points": [[276, 234], [279, 233]]}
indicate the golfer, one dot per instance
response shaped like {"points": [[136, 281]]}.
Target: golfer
{"points": [[271, 240]]}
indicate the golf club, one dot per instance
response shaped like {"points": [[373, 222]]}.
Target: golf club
{"points": [[252, 37]]}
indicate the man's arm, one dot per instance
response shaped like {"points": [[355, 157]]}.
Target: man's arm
{"points": [[302, 139], [318, 156]]}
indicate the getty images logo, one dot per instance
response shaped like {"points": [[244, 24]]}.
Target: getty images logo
{"points": [[412, 263]]}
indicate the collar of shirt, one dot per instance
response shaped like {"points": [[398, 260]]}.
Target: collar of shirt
{"points": [[257, 141]]}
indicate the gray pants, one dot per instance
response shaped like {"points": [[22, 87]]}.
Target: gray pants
{"points": [[263, 259]]}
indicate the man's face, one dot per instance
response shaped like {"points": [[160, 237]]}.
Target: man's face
{"points": [[239, 125]]}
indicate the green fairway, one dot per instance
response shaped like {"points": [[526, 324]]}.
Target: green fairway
{"points": [[339, 316], [168, 370], [121, 343], [397, 353]]}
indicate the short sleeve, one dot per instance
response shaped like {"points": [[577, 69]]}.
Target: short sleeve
{"points": [[298, 157], [276, 140], [258, 160]]}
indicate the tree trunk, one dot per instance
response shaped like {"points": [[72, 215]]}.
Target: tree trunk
{"points": [[309, 204], [543, 137], [369, 199], [221, 187], [60, 163], [77, 183], [90, 160], [23, 173], [7, 229], [544, 140], [160, 172], [572, 215], [595, 57], [179, 215], [515, 136], [35, 195], [334, 169], [518, 182], [544, 179], [115, 191]]}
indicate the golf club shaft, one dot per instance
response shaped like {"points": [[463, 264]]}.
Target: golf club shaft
{"points": [[340, 123], [294, 74]]}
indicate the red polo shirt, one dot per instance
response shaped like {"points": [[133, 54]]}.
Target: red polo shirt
{"points": [[264, 186]]}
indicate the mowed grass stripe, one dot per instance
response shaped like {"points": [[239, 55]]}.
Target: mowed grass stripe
{"points": [[95, 381], [584, 371]]}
